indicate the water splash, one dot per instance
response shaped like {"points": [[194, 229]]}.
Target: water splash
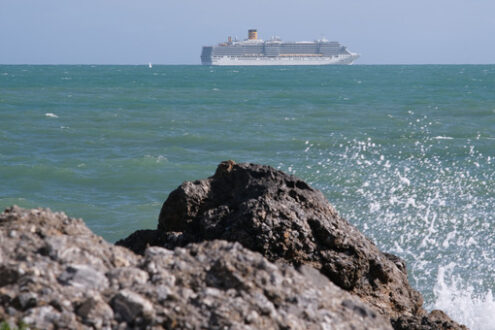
{"points": [[426, 198], [461, 302]]}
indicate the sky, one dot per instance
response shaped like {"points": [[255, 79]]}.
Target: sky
{"points": [[173, 32]]}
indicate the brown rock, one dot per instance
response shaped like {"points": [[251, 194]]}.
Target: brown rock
{"points": [[287, 221], [223, 285], [212, 284]]}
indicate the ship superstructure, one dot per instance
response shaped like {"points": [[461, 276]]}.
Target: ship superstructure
{"points": [[254, 51]]}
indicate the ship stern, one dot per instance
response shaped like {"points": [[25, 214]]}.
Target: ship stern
{"points": [[206, 58]]}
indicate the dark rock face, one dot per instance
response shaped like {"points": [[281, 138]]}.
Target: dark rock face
{"points": [[434, 320], [55, 273], [288, 222]]}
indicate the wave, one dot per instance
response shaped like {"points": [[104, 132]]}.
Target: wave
{"points": [[443, 138], [459, 300]]}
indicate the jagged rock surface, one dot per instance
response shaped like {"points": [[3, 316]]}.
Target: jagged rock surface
{"points": [[287, 221], [55, 273]]}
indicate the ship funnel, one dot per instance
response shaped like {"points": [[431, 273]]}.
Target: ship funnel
{"points": [[252, 34]]}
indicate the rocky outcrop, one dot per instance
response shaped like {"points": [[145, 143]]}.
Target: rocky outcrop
{"points": [[55, 273], [288, 222]]}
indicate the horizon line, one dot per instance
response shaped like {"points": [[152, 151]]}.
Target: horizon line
{"points": [[189, 64]]}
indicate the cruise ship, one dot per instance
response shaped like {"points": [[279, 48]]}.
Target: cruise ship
{"points": [[254, 51]]}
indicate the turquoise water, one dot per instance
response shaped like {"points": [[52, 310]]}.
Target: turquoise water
{"points": [[406, 153]]}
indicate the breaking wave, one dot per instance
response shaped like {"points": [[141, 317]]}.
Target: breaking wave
{"points": [[426, 198]]}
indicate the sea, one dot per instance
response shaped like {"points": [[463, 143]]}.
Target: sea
{"points": [[405, 153]]}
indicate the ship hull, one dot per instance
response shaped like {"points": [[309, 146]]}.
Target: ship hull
{"points": [[279, 60]]}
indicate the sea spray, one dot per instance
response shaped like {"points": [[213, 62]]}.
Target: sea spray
{"points": [[426, 199], [460, 301]]}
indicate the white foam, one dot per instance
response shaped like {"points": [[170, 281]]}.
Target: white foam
{"points": [[410, 202], [374, 207], [443, 138], [161, 158], [446, 242], [461, 303], [404, 180], [51, 115]]}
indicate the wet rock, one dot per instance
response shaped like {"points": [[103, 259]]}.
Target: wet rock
{"points": [[434, 320], [67, 277], [287, 221]]}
